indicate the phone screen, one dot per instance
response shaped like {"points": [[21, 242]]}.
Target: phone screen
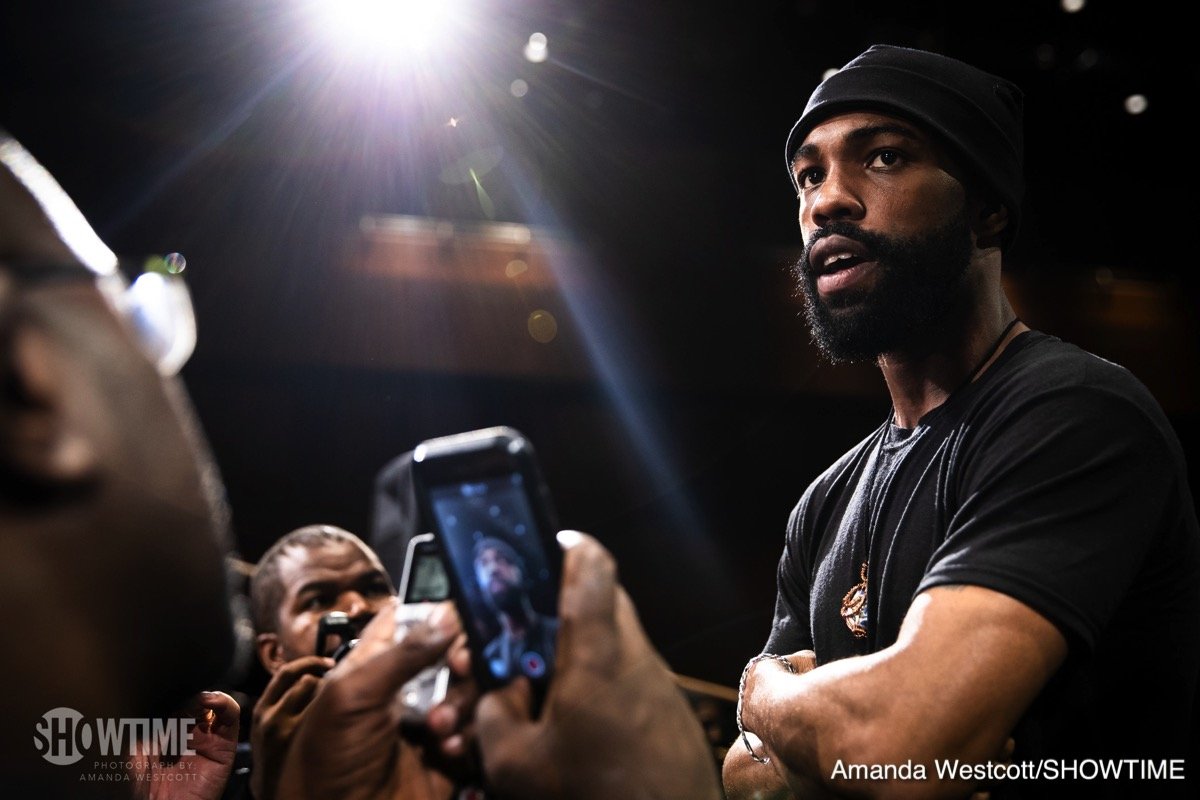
{"points": [[491, 540], [427, 581]]}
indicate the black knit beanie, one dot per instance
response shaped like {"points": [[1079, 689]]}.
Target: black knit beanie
{"points": [[977, 114]]}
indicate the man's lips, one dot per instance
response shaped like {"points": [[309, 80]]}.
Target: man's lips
{"points": [[839, 262], [846, 278]]}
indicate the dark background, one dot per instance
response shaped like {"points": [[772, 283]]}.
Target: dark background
{"points": [[652, 138]]}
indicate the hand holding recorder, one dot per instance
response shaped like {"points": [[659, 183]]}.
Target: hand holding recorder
{"points": [[348, 745]]}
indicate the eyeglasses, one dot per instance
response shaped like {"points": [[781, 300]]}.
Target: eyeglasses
{"points": [[153, 300]]}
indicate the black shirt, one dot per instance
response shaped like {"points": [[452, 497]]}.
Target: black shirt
{"points": [[1056, 479]]}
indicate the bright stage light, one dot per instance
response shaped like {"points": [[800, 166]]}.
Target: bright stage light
{"points": [[383, 27]]}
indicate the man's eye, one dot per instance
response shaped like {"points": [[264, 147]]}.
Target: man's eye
{"points": [[807, 178], [378, 589], [886, 158], [318, 601]]}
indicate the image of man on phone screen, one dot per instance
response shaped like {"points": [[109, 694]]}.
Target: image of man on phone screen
{"points": [[525, 644]]}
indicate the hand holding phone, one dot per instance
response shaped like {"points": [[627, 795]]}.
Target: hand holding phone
{"points": [[483, 495], [615, 705]]}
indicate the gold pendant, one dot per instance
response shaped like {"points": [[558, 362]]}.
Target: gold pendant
{"points": [[854, 606]]}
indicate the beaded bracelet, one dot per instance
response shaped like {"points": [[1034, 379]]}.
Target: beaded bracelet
{"points": [[741, 690]]}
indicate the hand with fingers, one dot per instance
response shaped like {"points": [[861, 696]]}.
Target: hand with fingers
{"points": [[202, 774], [348, 745], [276, 715], [614, 722], [447, 737]]}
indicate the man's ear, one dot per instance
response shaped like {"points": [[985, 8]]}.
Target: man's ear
{"points": [[990, 224], [270, 651], [42, 446]]}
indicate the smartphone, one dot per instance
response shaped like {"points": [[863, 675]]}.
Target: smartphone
{"points": [[422, 583], [483, 495]]}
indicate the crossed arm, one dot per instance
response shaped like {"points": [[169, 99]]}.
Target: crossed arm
{"points": [[966, 665]]}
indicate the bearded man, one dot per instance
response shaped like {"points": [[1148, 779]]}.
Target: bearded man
{"points": [[1005, 573]]}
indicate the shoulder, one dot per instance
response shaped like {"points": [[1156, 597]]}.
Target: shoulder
{"points": [[1053, 414], [1045, 363], [1051, 383]]}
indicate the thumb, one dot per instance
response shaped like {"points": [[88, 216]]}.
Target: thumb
{"points": [[370, 679], [225, 711], [502, 712], [508, 739]]}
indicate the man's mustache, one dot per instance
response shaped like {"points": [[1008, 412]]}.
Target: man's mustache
{"points": [[835, 228]]}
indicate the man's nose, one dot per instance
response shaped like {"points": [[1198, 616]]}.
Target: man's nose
{"points": [[836, 198], [354, 603]]}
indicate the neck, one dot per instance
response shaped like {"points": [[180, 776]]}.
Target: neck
{"points": [[922, 378]]}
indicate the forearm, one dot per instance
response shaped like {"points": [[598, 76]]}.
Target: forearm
{"points": [[809, 724], [967, 664]]}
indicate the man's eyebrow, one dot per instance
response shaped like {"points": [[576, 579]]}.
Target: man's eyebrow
{"points": [[858, 135], [316, 586], [871, 131], [372, 574]]}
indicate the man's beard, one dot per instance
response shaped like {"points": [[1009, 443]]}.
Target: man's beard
{"points": [[506, 599], [917, 283]]}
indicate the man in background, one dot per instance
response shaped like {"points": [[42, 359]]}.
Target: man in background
{"points": [[310, 572]]}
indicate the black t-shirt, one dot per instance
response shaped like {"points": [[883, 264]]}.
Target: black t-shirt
{"points": [[1056, 479]]}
